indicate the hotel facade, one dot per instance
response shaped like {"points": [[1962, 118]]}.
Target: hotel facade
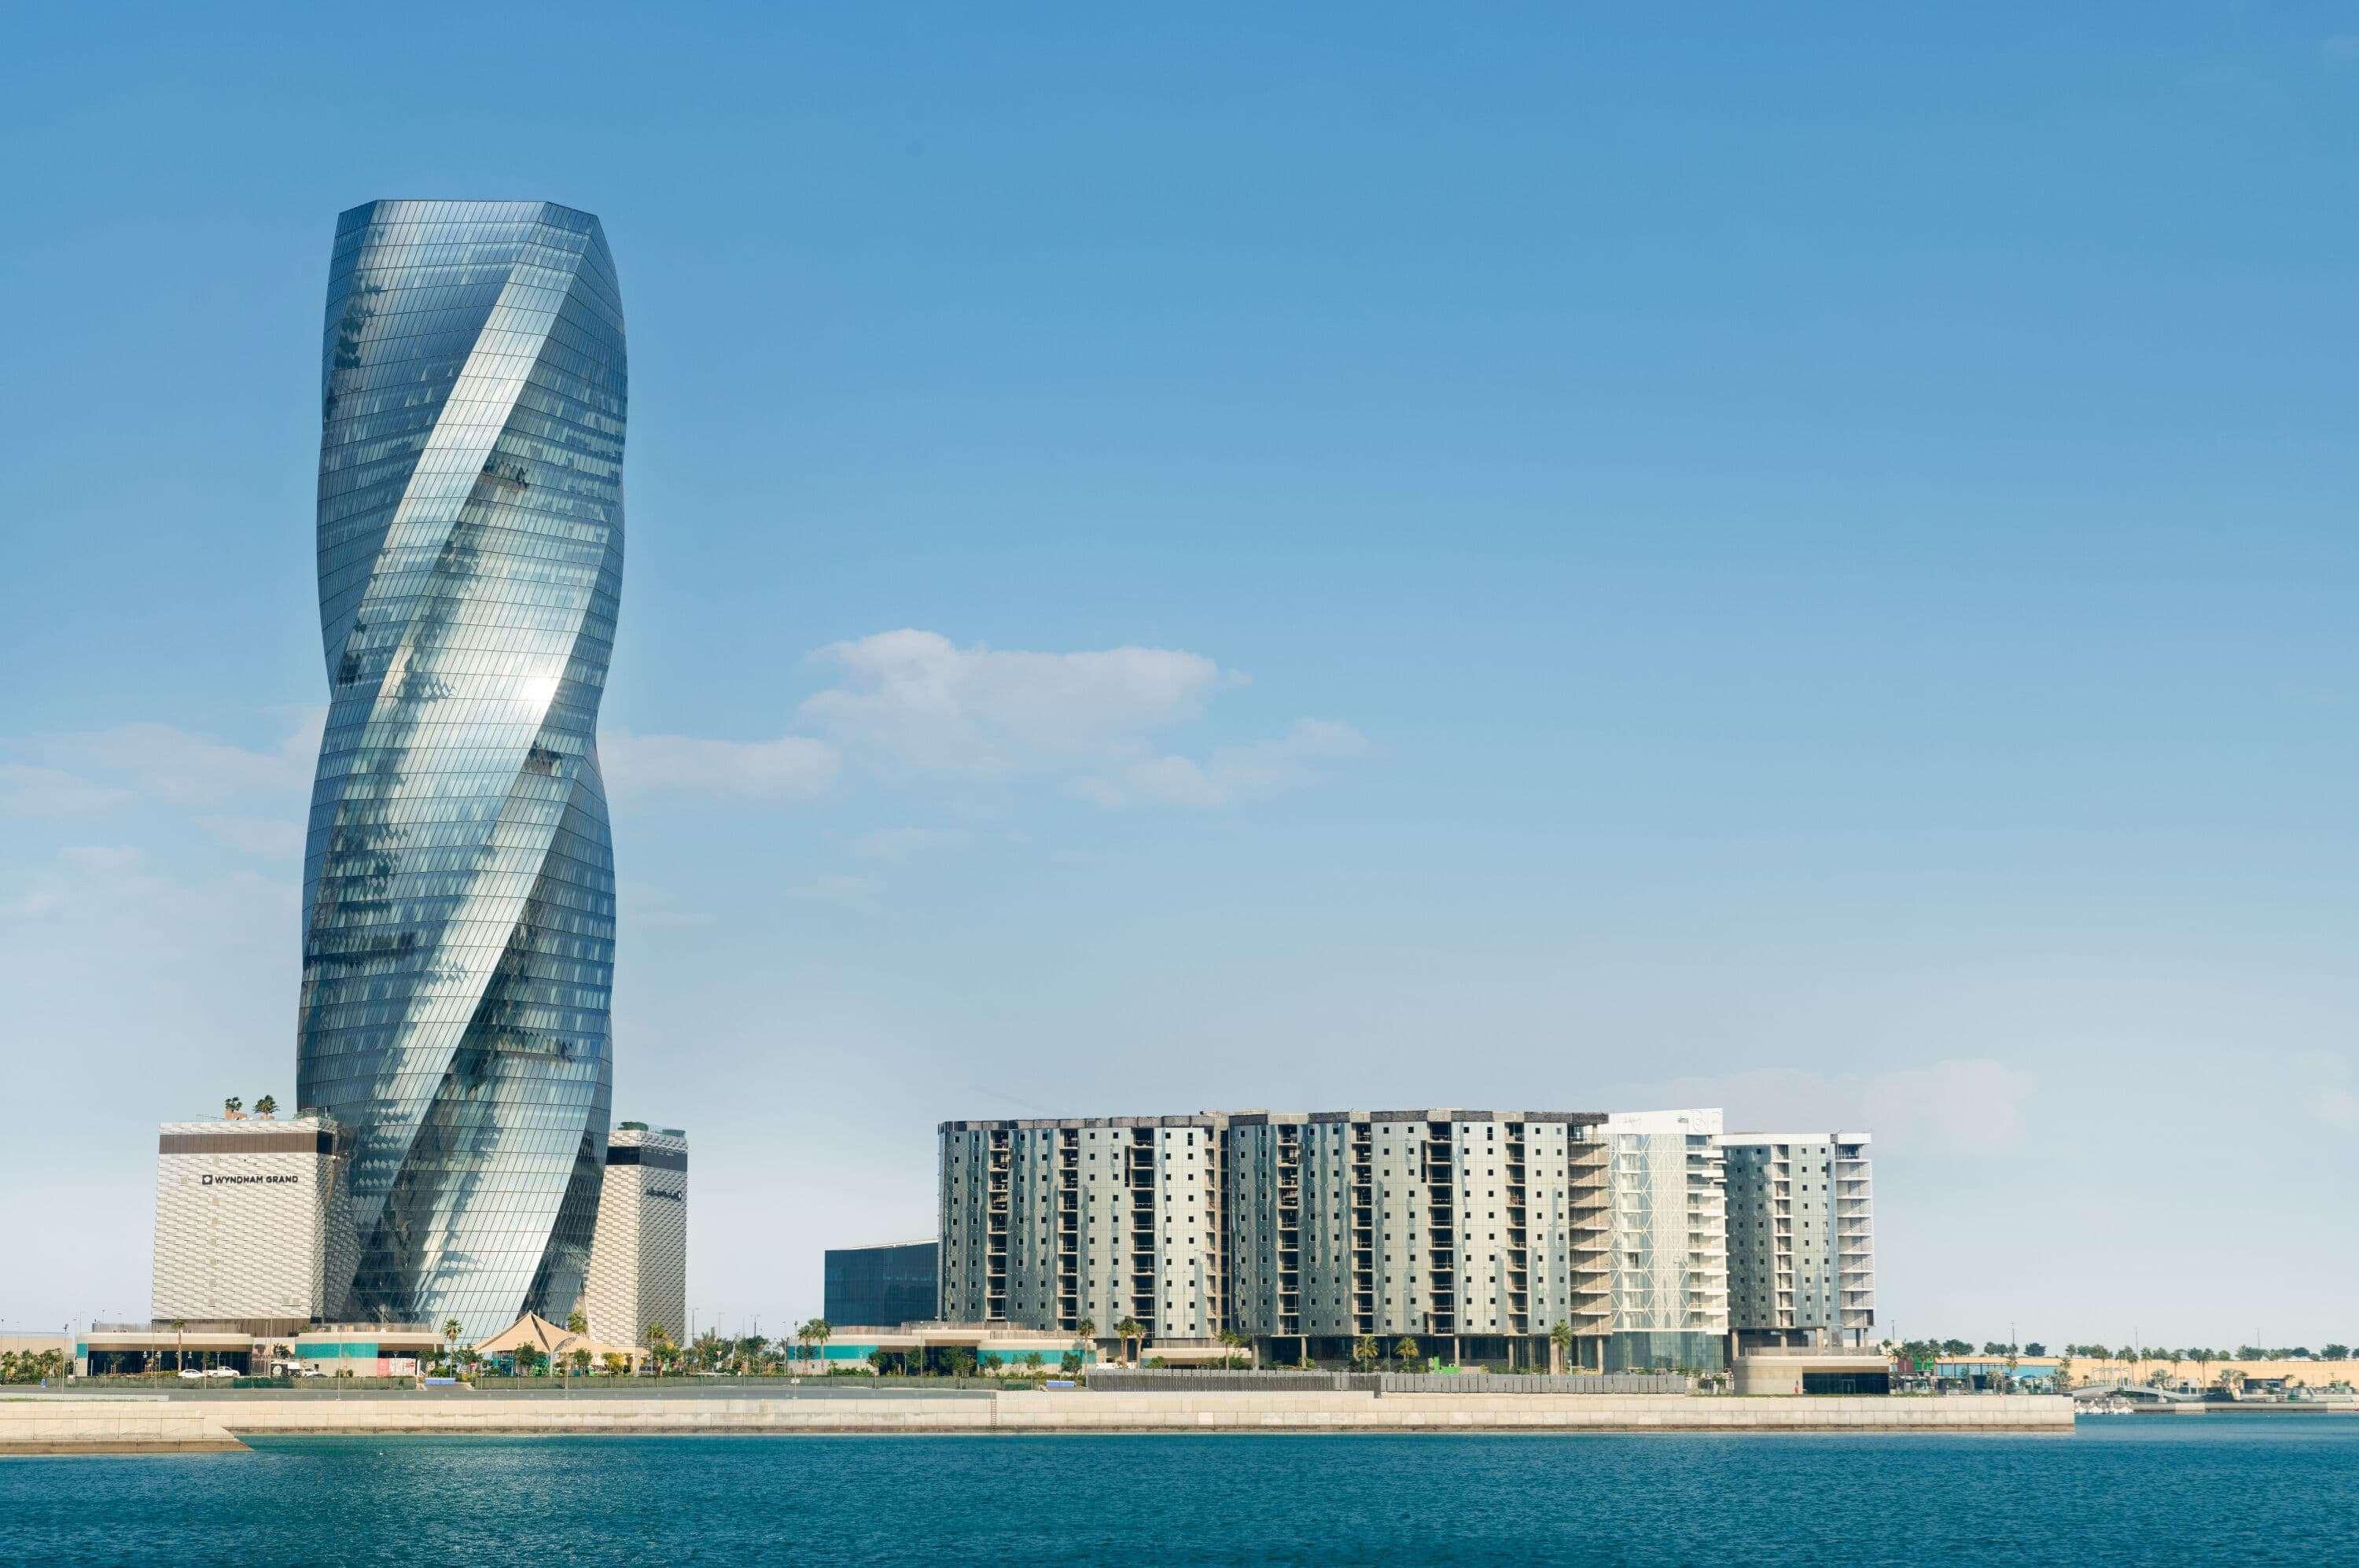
{"points": [[253, 1223], [638, 1260]]}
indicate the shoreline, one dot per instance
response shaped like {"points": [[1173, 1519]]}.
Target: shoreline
{"points": [[186, 1425]]}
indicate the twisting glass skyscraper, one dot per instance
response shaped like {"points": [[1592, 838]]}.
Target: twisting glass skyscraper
{"points": [[459, 885]]}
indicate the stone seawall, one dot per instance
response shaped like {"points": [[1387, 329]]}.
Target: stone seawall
{"points": [[61, 1426], [1524, 1412], [112, 1426]]}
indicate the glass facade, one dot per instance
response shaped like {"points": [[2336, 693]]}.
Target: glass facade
{"points": [[458, 888], [883, 1286]]}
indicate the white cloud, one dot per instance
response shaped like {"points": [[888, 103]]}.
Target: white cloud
{"points": [[913, 702], [173, 764], [907, 704], [1953, 1107], [2326, 1089], [644, 905], [27, 790], [274, 836], [108, 898], [1231, 774], [103, 859], [897, 846], [862, 895], [790, 767], [77, 772]]}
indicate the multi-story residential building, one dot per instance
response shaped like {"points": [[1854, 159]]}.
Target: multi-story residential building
{"points": [[253, 1223], [1801, 1238], [459, 881], [1052, 1224], [1473, 1232], [638, 1260], [1669, 1240], [1653, 1237]]}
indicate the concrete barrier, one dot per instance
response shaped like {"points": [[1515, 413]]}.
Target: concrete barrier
{"points": [[120, 1426], [617, 1416], [1524, 1412], [111, 1426]]}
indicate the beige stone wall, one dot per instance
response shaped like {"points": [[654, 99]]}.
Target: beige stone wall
{"points": [[1044, 1411], [1527, 1413], [110, 1426], [2314, 1374]]}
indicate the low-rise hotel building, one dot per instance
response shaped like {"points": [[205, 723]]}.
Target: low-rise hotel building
{"points": [[253, 1225], [638, 1255]]}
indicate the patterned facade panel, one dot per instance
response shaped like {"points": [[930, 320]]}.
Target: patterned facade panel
{"points": [[458, 917], [638, 1259], [1670, 1224], [252, 1222]]}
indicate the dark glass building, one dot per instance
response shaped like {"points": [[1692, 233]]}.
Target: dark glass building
{"points": [[883, 1286], [458, 888]]}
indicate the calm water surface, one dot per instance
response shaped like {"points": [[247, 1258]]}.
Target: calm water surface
{"points": [[2128, 1489]]}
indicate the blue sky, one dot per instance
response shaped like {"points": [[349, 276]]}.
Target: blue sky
{"points": [[1348, 558]]}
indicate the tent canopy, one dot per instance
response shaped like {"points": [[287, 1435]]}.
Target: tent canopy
{"points": [[533, 1332]]}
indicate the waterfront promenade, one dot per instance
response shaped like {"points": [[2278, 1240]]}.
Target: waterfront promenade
{"points": [[133, 1424]]}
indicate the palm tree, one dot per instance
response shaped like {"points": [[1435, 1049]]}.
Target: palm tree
{"points": [[1130, 1328], [1233, 1341], [1404, 1352], [233, 1109], [822, 1331], [267, 1106], [1085, 1332], [1365, 1353], [1560, 1345], [658, 1345], [450, 1330]]}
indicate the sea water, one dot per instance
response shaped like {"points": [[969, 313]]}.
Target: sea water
{"points": [[2214, 1489]]}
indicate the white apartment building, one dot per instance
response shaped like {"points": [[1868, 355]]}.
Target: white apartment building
{"points": [[1053, 1223], [1473, 1232], [638, 1257], [1801, 1238], [254, 1222], [1650, 1236], [1670, 1239]]}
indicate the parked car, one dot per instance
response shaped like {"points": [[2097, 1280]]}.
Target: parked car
{"points": [[190, 1375], [222, 1372]]}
